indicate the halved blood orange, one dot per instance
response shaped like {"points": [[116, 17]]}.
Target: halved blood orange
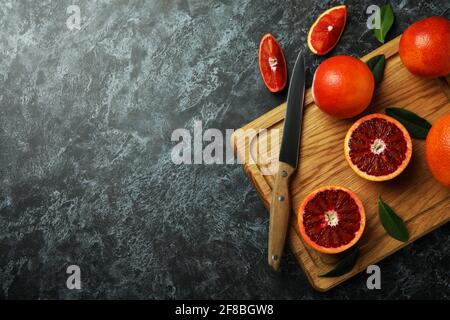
{"points": [[331, 219], [272, 63], [378, 147], [327, 30]]}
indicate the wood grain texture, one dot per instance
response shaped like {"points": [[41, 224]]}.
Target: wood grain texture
{"points": [[280, 212], [422, 203]]}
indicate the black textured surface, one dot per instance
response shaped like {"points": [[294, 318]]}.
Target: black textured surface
{"points": [[86, 176]]}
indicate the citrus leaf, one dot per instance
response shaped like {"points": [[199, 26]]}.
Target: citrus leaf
{"points": [[387, 20], [344, 266], [376, 65], [391, 222], [417, 127]]}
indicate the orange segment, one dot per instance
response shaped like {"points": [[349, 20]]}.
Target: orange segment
{"points": [[272, 63], [327, 30], [331, 219], [378, 147]]}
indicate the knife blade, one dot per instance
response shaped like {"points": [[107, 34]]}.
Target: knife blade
{"points": [[280, 207]]}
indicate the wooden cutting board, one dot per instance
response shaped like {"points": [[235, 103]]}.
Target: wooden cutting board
{"points": [[422, 203]]}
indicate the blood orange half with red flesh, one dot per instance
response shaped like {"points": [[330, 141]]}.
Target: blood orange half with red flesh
{"points": [[331, 219], [327, 30], [378, 147], [272, 63]]}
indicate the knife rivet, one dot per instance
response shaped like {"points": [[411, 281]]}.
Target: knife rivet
{"points": [[280, 198], [275, 257], [284, 173]]}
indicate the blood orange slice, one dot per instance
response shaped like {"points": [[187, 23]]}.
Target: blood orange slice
{"points": [[272, 63], [331, 219], [378, 147], [327, 30]]}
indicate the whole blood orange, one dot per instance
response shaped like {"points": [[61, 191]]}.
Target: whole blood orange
{"points": [[331, 219], [378, 147], [272, 63], [326, 31], [343, 86], [425, 47], [437, 150]]}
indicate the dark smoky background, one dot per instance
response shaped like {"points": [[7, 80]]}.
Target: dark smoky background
{"points": [[86, 118]]}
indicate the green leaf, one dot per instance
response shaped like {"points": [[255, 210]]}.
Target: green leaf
{"points": [[376, 65], [391, 222], [387, 20], [345, 265], [417, 127]]}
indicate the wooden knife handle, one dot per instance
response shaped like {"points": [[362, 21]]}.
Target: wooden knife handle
{"points": [[280, 209]]}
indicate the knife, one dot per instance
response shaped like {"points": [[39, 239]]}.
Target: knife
{"points": [[280, 207]]}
